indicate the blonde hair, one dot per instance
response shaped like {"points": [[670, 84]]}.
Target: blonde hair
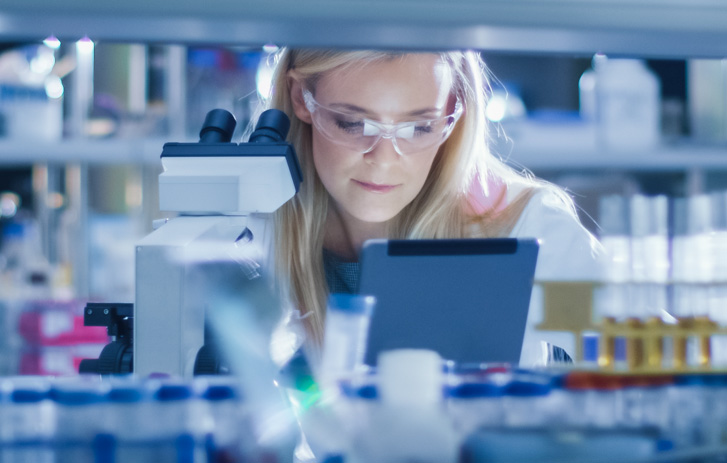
{"points": [[442, 208]]}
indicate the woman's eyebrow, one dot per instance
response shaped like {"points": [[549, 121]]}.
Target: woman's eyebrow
{"points": [[423, 112], [350, 108]]}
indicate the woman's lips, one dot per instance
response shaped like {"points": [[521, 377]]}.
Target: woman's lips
{"points": [[374, 187]]}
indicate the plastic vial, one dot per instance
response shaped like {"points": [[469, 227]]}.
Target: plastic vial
{"points": [[644, 400], [596, 400], [232, 432], [27, 422], [130, 419], [715, 419], [527, 402], [81, 411], [347, 324], [688, 407], [473, 404], [176, 422], [408, 423]]}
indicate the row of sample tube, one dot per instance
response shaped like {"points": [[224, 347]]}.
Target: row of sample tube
{"points": [[84, 419], [667, 256], [502, 414]]}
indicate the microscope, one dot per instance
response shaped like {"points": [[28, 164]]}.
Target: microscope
{"points": [[220, 240]]}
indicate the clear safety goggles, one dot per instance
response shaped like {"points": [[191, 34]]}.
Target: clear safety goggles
{"points": [[362, 135]]}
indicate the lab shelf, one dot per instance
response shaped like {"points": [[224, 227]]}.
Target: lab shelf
{"points": [[656, 28], [545, 156], [107, 151], [681, 157]]}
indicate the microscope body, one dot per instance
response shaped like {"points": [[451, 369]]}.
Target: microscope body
{"points": [[178, 266], [224, 193]]}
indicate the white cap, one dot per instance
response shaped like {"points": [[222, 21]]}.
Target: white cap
{"points": [[410, 377]]}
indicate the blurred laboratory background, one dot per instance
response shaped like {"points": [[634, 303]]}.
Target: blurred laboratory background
{"points": [[82, 125]]}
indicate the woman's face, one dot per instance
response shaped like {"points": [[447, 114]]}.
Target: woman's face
{"points": [[375, 186]]}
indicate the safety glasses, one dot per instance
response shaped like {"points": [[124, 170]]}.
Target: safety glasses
{"points": [[362, 135]]}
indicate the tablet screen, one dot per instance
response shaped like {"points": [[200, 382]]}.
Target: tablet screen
{"points": [[467, 299]]}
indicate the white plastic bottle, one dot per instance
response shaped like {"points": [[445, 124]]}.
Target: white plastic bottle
{"points": [[130, 419], [628, 101], [27, 422], [81, 406], [409, 422]]}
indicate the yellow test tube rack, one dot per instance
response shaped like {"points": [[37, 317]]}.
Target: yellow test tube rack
{"points": [[568, 306]]}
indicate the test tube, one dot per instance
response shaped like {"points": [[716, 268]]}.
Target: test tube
{"points": [[718, 286], [614, 221], [612, 298], [650, 255], [650, 271]]}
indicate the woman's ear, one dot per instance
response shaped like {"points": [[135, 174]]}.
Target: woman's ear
{"points": [[296, 97]]}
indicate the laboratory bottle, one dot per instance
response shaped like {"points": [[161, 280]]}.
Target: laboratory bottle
{"points": [[715, 419], [179, 421], [628, 102], [474, 403], [688, 404], [528, 402], [27, 421], [408, 422], [644, 400], [81, 406], [596, 400], [344, 346], [548, 445], [130, 419], [231, 437]]}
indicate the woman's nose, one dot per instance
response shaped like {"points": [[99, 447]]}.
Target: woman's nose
{"points": [[383, 153]]}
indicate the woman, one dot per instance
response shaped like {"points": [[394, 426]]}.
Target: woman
{"points": [[395, 145]]}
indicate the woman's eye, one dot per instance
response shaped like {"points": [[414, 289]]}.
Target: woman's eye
{"points": [[423, 129], [350, 126]]}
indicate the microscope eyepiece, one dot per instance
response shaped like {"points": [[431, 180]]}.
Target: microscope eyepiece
{"points": [[272, 126], [218, 127]]}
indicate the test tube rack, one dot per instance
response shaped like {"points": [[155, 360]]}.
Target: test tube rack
{"points": [[651, 345]]}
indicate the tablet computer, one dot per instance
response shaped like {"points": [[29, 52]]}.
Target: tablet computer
{"points": [[467, 299]]}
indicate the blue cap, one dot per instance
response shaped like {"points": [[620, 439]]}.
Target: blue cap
{"points": [[126, 394], [367, 391], [26, 396], [715, 379], [13, 229], [527, 389], [170, 392], [475, 390], [220, 392], [358, 304], [73, 395], [689, 380]]}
